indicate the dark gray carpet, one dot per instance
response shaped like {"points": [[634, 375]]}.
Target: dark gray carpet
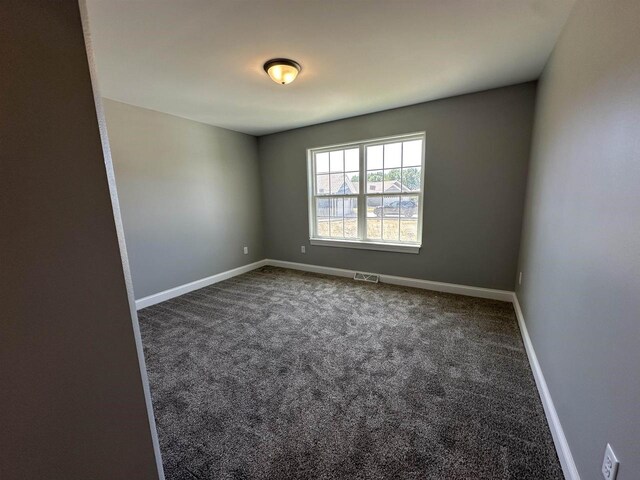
{"points": [[279, 374]]}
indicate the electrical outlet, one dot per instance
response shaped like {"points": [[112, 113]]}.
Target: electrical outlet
{"points": [[303, 249], [246, 250], [520, 279], [610, 464]]}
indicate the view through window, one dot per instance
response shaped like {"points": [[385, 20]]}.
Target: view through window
{"points": [[368, 192]]}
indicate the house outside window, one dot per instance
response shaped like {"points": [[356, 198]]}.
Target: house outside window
{"points": [[368, 194]]}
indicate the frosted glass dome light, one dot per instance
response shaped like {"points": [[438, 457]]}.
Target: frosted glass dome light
{"points": [[282, 70]]}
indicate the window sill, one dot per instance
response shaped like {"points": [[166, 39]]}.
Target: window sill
{"points": [[384, 247]]}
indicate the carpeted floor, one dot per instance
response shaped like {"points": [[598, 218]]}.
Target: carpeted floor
{"points": [[278, 374]]}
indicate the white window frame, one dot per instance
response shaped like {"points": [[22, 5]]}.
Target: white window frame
{"points": [[362, 242]]}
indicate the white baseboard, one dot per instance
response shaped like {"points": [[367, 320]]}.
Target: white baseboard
{"points": [[306, 267], [190, 287], [559, 439], [480, 292]]}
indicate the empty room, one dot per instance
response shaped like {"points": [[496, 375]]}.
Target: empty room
{"points": [[320, 239]]}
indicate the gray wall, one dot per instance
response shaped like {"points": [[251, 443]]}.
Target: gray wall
{"points": [[477, 150], [581, 235], [71, 394], [189, 193]]}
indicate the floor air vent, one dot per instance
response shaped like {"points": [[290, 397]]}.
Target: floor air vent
{"points": [[366, 277]]}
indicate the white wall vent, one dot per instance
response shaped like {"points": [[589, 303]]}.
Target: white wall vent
{"points": [[366, 277]]}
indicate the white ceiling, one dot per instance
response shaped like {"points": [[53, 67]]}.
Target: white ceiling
{"points": [[203, 59]]}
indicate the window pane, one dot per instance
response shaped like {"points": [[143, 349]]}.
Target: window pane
{"points": [[391, 229], [412, 153], [323, 206], [335, 207], [409, 218], [390, 221], [322, 216], [350, 228], [374, 206], [392, 155], [351, 217], [409, 206], [352, 182], [374, 228], [337, 227], [352, 159], [374, 213], [336, 160], [322, 185], [409, 230], [411, 179], [322, 163], [337, 183], [374, 157], [391, 206], [374, 181], [350, 207], [322, 227], [392, 181]]}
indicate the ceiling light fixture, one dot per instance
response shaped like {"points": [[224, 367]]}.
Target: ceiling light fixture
{"points": [[282, 70]]}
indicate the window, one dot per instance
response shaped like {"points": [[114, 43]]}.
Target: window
{"points": [[368, 194]]}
